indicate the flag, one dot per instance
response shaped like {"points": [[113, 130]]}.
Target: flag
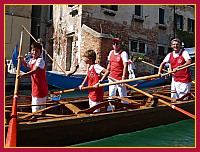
{"points": [[15, 60]]}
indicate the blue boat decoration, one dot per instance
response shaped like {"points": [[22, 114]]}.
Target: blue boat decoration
{"points": [[62, 81], [15, 61]]}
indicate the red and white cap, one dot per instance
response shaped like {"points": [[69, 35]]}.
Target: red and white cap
{"points": [[116, 39]]}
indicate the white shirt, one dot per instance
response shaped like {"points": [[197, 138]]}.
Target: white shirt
{"points": [[131, 66], [124, 55], [39, 63], [185, 55], [97, 68]]}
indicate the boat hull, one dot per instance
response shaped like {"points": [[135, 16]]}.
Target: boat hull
{"points": [[69, 131]]}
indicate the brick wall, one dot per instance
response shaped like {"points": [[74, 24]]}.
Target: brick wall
{"points": [[102, 46]]}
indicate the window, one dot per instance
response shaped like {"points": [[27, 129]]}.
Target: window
{"points": [[161, 50], [161, 16], [138, 10], [141, 47], [111, 7], [133, 46], [179, 21], [190, 25], [136, 46]]}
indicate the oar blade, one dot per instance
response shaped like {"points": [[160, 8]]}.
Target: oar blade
{"points": [[11, 138], [12, 133]]}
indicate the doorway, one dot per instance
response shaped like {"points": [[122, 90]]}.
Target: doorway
{"points": [[69, 53]]}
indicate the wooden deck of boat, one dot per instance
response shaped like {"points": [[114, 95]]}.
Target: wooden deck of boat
{"points": [[78, 106]]}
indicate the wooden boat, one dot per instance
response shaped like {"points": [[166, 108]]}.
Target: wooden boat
{"points": [[69, 121], [62, 81]]}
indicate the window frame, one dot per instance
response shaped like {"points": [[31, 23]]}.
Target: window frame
{"points": [[140, 10], [161, 16], [138, 44], [110, 7]]}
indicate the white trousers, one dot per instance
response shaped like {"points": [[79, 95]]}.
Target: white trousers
{"points": [[38, 101], [93, 103], [180, 88], [131, 74], [120, 87], [113, 90]]}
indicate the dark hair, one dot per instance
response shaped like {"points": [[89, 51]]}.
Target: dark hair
{"points": [[37, 46], [90, 54]]}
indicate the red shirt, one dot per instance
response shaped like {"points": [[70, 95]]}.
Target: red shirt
{"points": [[182, 75], [39, 82], [95, 94], [116, 66]]}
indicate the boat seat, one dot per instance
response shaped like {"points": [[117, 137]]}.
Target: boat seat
{"points": [[127, 100], [107, 103], [71, 107], [164, 97], [186, 96], [39, 111]]}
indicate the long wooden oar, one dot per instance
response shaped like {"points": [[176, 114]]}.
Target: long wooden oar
{"points": [[170, 72], [45, 52], [107, 84], [160, 100], [11, 138], [120, 81], [154, 66]]}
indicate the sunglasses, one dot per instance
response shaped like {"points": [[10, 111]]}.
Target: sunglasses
{"points": [[116, 43]]}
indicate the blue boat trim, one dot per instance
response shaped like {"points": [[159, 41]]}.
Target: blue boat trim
{"points": [[70, 82]]}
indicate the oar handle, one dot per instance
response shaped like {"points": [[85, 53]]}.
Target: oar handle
{"points": [[29, 33], [129, 80], [153, 66], [110, 83], [178, 69], [72, 90]]}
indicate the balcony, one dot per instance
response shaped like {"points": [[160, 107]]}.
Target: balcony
{"points": [[138, 18]]}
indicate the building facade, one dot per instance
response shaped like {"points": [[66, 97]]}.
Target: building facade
{"points": [[69, 30], [144, 29], [15, 16]]}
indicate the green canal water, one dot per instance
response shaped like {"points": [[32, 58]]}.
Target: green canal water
{"points": [[179, 134]]}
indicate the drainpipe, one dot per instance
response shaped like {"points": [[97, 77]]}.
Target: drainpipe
{"points": [[174, 21], [38, 30]]}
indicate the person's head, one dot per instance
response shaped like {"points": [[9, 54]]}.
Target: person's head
{"points": [[39, 40], [36, 50], [89, 57], [116, 42], [176, 44]]}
